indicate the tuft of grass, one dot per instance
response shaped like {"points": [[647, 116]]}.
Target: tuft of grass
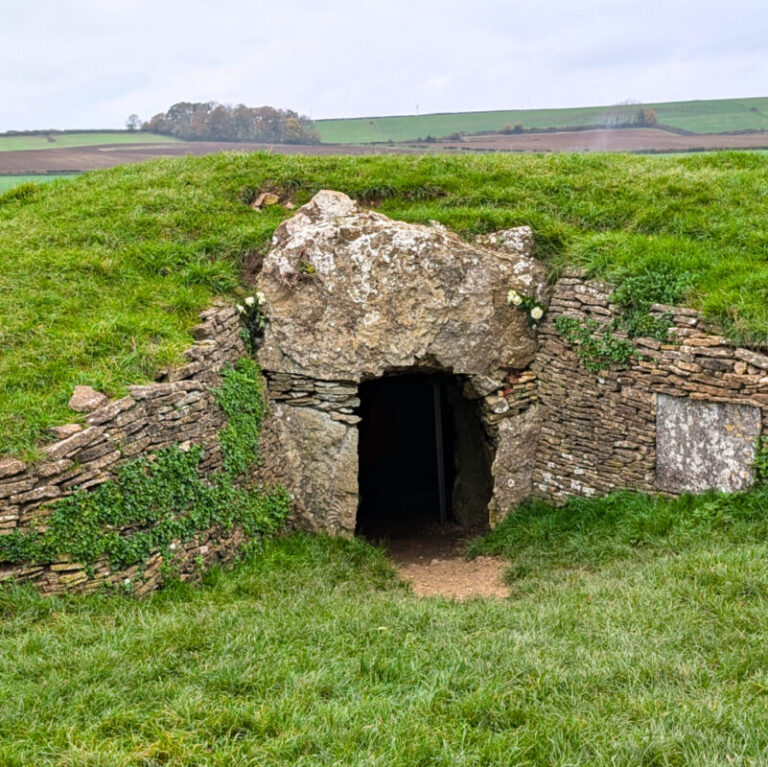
{"points": [[104, 275], [311, 653]]}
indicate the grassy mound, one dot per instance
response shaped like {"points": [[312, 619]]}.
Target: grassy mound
{"points": [[312, 654], [103, 275]]}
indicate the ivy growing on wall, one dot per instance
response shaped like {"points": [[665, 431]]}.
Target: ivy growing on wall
{"points": [[159, 499], [242, 400], [596, 347], [602, 346]]}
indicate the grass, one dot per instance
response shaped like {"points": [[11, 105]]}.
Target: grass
{"points": [[543, 542], [615, 651], [102, 285], [714, 116], [8, 182], [75, 139]]}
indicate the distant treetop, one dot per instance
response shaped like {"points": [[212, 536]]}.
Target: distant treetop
{"points": [[210, 121]]}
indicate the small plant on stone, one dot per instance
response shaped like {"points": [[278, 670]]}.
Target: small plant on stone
{"points": [[532, 308], [252, 319], [306, 268]]}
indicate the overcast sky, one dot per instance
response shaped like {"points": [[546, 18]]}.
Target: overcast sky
{"points": [[91, 63]]}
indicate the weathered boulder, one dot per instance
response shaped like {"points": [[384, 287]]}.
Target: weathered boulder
{"points": [[319, 456], [352, 294], [86, 399]]}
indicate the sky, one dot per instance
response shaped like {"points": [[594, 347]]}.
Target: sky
{"points": [[91, 63]]}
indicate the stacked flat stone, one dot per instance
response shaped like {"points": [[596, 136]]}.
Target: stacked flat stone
{"points": [[178, 409], [598, 431]]}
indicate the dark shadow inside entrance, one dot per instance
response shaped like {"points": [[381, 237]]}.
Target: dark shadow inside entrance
{"points": [[410, 424]]}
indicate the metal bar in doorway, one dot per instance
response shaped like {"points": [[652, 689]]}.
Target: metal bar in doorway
{"points": [[440, 451]]}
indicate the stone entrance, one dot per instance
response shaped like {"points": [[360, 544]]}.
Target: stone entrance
{"points": [[424, 458], [353, 297]]}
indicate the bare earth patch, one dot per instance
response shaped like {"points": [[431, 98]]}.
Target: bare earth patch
{"points": [[435, 566]]}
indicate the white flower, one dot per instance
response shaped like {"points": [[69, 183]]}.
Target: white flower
{"points": [[537, 313], [260, 298], [250, 301], [513, 297], [240, 308]]}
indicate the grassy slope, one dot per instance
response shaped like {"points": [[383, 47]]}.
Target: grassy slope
{"points": [[644, 652], [64, 140], [695, 116], [101, 284], [8, 182]]}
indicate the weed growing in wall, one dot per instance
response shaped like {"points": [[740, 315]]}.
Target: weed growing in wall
{"points": [[636, 294], [600, 346], [596, 347], [157, 500]]}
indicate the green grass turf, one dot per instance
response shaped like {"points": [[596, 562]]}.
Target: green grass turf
{"points": [[64, 140], [8, 182], [617, 651], [694, 116], [103, 275]]}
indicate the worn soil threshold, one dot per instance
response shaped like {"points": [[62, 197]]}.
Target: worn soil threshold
{"points": [[433, 563]]}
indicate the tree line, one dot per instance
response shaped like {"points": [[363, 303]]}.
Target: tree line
{"points": [[209, 121]]}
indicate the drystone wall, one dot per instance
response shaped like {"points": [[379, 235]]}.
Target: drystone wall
{"points": [[177, 410], [684, 417]]}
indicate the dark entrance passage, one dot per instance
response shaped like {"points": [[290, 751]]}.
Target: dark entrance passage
{"points": [[424, 460]]}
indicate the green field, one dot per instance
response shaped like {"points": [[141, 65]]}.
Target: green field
{"points": [[635, 636], [694, 116], [102, 286], [8, 182], [65, 140]]}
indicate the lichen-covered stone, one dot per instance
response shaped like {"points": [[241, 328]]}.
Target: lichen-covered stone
{"points": [[352, 295], [66, 430], [703, 445], [513, 464], [85, 399], [319, 456]]}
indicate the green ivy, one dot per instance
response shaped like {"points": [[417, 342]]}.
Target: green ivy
{"points": [[599, 347], [157, 500], [241, 399], [595, 346], [661, 284]]}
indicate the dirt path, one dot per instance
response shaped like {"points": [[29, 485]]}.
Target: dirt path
{"points": [[433, 563]]}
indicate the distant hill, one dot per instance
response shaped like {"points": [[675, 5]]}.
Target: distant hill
{"points": [[695, 116]]}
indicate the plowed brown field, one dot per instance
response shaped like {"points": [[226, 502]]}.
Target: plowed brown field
{"points": [[108, 155], [625, 140], [620, 140]]}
